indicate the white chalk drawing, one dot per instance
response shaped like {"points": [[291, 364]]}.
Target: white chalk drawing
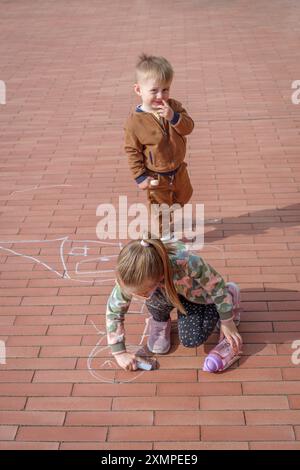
{"points": [[98, 371], [34, 188], [77, 261], [75, 258], [73, 261]]}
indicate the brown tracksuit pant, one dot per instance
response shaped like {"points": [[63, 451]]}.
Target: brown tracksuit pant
{"points": [[175, 189]]}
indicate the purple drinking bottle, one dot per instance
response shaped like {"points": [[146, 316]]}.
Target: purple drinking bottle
{"points": [[221, 357]]}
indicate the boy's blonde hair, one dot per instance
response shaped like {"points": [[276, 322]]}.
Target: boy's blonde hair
{"points": [[138, 264], [150, 66]]}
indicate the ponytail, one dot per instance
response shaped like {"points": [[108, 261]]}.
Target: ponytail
{"points": [[168, 272]]}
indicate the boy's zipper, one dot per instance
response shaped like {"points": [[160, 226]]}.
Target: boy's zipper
{"points": [[162, 128]]}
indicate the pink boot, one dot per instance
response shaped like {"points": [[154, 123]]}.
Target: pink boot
{"points": [[159, 341]]}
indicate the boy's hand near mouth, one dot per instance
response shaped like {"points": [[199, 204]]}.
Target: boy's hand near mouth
{"points": [[165, 111]]}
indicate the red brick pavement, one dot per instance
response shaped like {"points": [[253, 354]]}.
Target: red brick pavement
{"points": [[68, 70]]}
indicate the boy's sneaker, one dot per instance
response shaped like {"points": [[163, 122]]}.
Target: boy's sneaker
{"points": [[159, 341]]}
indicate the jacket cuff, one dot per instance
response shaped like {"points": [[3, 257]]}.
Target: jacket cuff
{"points": [[118, 348], [227, 320], [224, 316], [141, 178], [175, 119]]}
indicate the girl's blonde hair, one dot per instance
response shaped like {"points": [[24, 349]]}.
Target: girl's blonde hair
{"points": [[150, 66], [137, 263]]}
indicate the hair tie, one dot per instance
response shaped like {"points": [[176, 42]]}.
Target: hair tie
{"points": [[144, 243]]}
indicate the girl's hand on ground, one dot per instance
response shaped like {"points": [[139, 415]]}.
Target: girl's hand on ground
{"points": [[229, 330], [126, 361], [166, 111], [145, 184]]}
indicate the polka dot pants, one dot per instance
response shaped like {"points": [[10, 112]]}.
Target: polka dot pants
{"points": [[193, 328]]}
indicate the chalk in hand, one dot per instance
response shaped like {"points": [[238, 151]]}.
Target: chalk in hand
{"points": [[154, 182], [144, 365]]}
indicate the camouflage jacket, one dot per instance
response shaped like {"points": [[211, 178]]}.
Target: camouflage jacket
{"points": [[193, 278]]}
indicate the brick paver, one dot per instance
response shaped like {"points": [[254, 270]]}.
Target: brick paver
{"points": [[68, 71]]}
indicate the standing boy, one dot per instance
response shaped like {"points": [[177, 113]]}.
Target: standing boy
{"points": [[155, 141]]}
